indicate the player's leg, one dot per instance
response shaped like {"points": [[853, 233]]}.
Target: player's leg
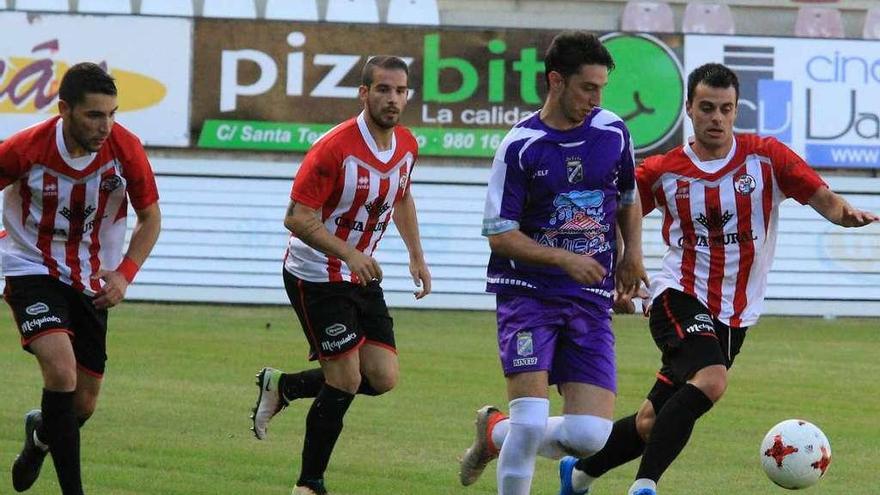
{"points": [[686, 334], [380, 368], [527, 330], [529, 409], [585, 369], [41, 314]]}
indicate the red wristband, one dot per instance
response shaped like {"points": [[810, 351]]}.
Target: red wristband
{"points": [[128, 268]]}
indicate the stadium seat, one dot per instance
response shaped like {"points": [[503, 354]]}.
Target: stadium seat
{"points": [[818, 22], [364, 11], [292, 10], [105, 6], [647, 17], [708, 18], [872, 24], [43, 5], [230, 9], [183, 8], [413, 12]]}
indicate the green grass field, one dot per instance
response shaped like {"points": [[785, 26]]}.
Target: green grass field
{"points": [[173, 417]]}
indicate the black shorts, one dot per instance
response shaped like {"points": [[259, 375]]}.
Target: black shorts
{"points": [[339, 317], [42, 305], [689, 338]]}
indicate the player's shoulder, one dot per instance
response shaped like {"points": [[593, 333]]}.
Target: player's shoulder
{"points": [[406, 138], [34, 136], [341, 137], [123, 136], [604, 118], [670, 159], [754, 144]]}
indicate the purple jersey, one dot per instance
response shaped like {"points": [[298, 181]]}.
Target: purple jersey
{"points": [[561, 188]]}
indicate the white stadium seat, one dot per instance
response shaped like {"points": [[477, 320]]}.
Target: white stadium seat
{"points": [[183, 8], [230, 9], [43, 5], [292, 10], [647, 17], [105, 6], [872, 24], [364, 11], [708, 18], [423, 12], [818, 22]]}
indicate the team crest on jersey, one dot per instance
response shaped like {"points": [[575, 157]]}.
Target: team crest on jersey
{"points": [[111, 183], [574, 169], [376, 207], [745, 184]]}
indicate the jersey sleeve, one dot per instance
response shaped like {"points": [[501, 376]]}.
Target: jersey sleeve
{"points": [[12, 164], [316, 178], [139, 178], [646, 175], [507, 191], [795, 177], [626, 181]]}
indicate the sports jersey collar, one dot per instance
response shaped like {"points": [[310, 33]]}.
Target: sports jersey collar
{"points": [[709, 166], [79, 163], [382, 156]]}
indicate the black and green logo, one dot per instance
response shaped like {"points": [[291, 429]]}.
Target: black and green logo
{"points": [[645, 89]]}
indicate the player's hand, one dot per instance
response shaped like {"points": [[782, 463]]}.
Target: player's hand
{"points": [[421, 277], [112, 291], [366, 268], [853, 217], [625, 304], [584, 269], [630, 275]]}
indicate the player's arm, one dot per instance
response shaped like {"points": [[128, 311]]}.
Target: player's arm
{"points": [[630, 269], [304, 222], [837, 210], [143, 238], [517, 246], [407, 223]]}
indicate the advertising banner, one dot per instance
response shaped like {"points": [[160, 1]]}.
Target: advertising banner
{"points": [[278, 86], [149, 57], [820, 97]]}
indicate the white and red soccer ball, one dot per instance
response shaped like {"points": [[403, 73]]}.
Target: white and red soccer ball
{"points": [[795, 454]]}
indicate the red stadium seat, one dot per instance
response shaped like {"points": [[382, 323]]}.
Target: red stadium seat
{"points": [[818, 22], [654, 17], [708, 18]]}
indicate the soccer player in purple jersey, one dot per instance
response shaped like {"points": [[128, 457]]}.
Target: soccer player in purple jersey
{"points": [[561, 181]]}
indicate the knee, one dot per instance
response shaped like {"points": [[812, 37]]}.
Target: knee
{"points": [[644, 424], [584, 435], [84, 407], [383, 381], [60, 378], [712, 382], [347, 382]]}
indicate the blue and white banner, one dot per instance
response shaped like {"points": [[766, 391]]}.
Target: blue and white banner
{"points": [[821, 97]]}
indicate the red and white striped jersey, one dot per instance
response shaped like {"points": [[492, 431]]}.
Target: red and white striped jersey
{"points": [[355, 187], [65, 217], [719, 220]]}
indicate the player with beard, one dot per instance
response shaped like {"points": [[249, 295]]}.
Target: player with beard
{"points": [[352, 182]]}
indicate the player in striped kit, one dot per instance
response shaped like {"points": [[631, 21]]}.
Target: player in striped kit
{"points": [[719, 195], [353, 181], [67, 183]]}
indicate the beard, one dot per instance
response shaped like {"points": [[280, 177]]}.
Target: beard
{"points": [[384, 121]]}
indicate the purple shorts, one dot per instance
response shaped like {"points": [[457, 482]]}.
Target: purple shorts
{"points": [[569, 337]]}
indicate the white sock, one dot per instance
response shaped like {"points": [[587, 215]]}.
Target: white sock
{"points": [[516, 464], [580, 480], [642, 483]]}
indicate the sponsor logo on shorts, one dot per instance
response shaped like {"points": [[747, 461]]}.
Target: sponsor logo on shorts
{"points": [[38, 323], [525, 361], [37, 309], [524, 345], [336, 345], [700, 328], [704, 318], [335, 329]]}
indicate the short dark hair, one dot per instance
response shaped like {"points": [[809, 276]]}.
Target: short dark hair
{"points": [[713, 75], [82, 78], [388, 62], [569, 50]]}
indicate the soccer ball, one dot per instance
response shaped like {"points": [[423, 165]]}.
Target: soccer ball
{"points": [[795, 454]]}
